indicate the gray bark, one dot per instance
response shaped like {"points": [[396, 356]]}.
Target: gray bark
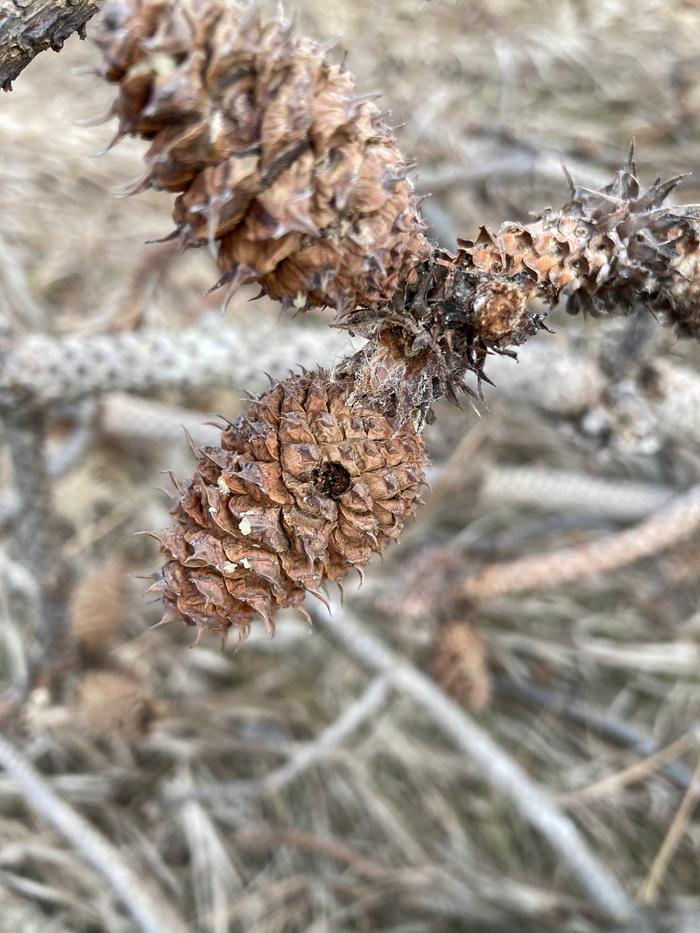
{"points": [[28, 27]]}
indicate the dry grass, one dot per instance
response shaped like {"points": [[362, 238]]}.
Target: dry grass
{"points": [[390, 828]]}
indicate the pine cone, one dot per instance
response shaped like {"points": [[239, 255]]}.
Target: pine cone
{"points": [[97, 607], [295, 177], [302, 489], [604, 252], [111, 704], [459, 663]]}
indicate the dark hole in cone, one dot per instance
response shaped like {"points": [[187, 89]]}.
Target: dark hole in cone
{"points": [[332, 479]]}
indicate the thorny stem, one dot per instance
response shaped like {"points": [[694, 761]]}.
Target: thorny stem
{"points": [[494, 764], [150, 915]]}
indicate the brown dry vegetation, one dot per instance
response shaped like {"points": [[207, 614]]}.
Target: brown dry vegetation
{"points": [[391, 828]]}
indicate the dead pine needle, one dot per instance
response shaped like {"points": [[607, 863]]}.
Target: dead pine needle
{"points": [[150, 913], [495, 766], [649, 891]]}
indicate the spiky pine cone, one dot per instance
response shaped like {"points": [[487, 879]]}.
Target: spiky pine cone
{"points": [[301, 490], [295, 177], [605, 252]]}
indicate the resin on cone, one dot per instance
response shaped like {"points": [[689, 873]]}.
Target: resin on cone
{"points": [[303, 489], [291, 175]]}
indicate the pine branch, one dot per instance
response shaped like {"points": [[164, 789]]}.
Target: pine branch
{"points": [[30, 27], [672, 523], [301, 197]]}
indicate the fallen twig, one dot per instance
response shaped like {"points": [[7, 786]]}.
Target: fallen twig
{"points": [[494, 764], [151, 914]]}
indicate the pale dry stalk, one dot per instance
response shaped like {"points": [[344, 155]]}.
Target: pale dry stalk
{"points": [[600, 722], [666, 527], [150, 912], [614, 783], [41, 371], [37, 542], [676, 831], [561, 491], [494, 764], [309, 755]]}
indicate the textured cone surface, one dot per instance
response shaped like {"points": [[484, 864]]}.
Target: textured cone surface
{"points": [[278, 161], [608, 252], [97, 607], [301, 490], [605, 252], [459, 663], [111, 704]]}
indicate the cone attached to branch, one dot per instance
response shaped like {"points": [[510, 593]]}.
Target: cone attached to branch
{"points": [[605, 252], [303, 489], [608, 252], [280, 164]]}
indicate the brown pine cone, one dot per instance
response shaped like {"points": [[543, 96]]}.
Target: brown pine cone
{"points": [[459, 662], [294, 177], [112, 704], [97, 607], [605, 252], [302, 489]]}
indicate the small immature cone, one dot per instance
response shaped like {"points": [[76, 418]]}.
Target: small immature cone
{"points": [[111, 704], [96, 608], [292, 176], [301, 490], [459, 663]]}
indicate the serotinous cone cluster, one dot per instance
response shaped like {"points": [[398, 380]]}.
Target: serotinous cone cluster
{"points": [[295, 180]]}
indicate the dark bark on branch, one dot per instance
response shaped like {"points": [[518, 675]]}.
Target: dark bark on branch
{"points": [[28, 27]]}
